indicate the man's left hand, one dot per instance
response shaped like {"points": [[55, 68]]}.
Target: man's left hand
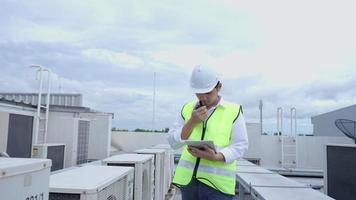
{"points": [[206, 152]]}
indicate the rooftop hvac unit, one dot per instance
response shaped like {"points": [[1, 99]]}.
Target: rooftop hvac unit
{"points": [[74, 133], [159, 171], [143, 164], [92, 183], [24, 178], [54, 152], [169, 161]]}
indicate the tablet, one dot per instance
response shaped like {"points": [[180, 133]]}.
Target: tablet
{"points": [[200, 143]]}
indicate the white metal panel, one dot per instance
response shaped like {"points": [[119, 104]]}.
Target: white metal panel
{"points": [[4, 129], [20, 110], [22, 178], [277, 193], [100, 135], [159, 171], [168, 161], [143, 164], [310, 149], [63, 128], [128, 158], [254, 135], [14, 166], [87, 179]]}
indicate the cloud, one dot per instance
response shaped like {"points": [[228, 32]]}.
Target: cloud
{"points": [[121, 59], [289, 54]]}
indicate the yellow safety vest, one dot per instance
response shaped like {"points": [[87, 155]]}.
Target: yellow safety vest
{"points": [[218, 127]]}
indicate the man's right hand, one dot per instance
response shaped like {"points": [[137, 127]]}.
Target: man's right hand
{"points": [[199, 115]]}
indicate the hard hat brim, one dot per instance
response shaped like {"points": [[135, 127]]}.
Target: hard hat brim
{"points": [[202, 90]]}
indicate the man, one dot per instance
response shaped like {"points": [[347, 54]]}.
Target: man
{"points": [[203, 174]]}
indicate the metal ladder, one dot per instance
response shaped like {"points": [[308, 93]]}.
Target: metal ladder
{"points": [[41, 123], [288, 142]]}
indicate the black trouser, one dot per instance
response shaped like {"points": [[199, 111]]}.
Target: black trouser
{"points": [[197, 190]]}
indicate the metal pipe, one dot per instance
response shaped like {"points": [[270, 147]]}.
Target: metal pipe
{"points": [[154, 102], [293, 115], [47, 104], [261, 122], [38, 115], [280, 130], [39, 104], [280, 120]]}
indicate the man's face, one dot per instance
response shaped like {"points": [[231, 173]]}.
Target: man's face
{"points": [[209, 99]]}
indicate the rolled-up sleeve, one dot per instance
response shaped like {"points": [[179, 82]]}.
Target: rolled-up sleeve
{"points": [[239, 141]]}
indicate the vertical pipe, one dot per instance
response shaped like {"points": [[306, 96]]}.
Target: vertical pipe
{"points": [[154, 101], [261, 119], [37, 125], [280, 120], [280, 131], [293, 117], [47, 104]]}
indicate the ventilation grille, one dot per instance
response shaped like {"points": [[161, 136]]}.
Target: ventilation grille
{"points": [[63, 196], [83, 141], [116, 191]]}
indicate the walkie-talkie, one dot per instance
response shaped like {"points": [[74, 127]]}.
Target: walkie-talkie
{"points": [[199, 104]]}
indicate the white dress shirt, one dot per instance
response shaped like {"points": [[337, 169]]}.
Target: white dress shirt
{"points": [[239, 139]]}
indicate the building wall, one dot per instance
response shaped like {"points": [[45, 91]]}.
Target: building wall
{"points": [[55, 99], [311, 150], [324, 125], [4, 129], [130, 141], [100, 135], [254, 137], [63, 128], [270, 151]]}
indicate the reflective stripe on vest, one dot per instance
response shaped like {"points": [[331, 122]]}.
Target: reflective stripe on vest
{"points": [[218, 175], [208, 169]]}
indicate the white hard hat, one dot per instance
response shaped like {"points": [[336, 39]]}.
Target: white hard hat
{"points": [[203, 79]]}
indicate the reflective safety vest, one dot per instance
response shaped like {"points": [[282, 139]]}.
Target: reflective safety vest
{"points": [[218, 127]]}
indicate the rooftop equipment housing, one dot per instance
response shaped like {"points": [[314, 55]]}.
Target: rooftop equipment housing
{"points": [[54, 152], [168, 163], [24, 178], [339, 171], [159, 172], [143, 165], [92, 182]]}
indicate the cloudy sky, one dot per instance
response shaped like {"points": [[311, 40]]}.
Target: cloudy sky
{"points": [[298, 54]]}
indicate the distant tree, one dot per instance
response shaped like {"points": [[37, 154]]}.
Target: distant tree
{"points": [[141, 130], [118, 129]]}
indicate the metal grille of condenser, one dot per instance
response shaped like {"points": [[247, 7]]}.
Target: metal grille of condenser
{"points": [[63, 196], [125, 165], [83, 141], [348, 127], [111, 197], [56, 154], [116, 191]]}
